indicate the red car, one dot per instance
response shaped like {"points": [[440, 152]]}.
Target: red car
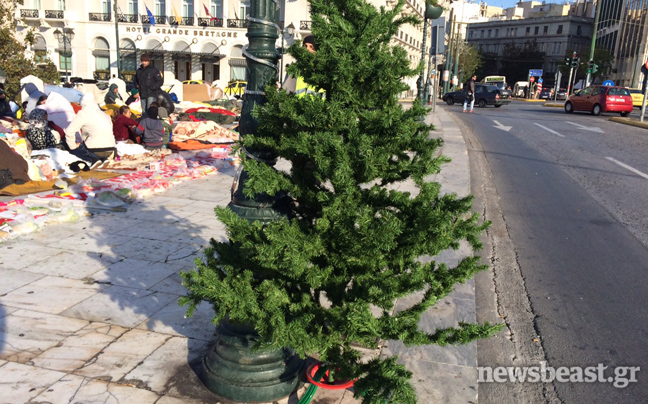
{"points": [[597, 99]]}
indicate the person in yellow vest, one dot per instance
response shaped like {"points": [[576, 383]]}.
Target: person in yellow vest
{"points": [[297, 85]]}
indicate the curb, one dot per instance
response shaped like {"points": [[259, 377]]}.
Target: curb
{"points": [[552, 105], [528, 100], [630, 122]]}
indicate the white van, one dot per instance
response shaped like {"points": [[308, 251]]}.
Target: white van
{"points": [[518, 88]]}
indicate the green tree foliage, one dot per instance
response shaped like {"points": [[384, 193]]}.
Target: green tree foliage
{"points": [[517, 60], [602, 57], [353, 241], [15, 63], [469, 60]]}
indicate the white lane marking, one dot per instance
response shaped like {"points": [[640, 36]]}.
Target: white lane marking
{"points": [[627, 167], [549, 130], [592, 129], [502, 127]]}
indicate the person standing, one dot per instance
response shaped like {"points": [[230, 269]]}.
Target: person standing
{"points": [[148, 80], [470, 93]]}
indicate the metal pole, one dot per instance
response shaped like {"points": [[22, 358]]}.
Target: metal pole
{"points": [[643, 104], [65, 57], [591, 58], [449, 56], [457, 55], [571, 71], [421, 83], [429, 69], [117, 39], [283, 45]]}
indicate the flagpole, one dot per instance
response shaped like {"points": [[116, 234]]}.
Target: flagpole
{"points": [[117, 38]]}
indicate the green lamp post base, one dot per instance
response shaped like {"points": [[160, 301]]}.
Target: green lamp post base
{"points": [[233, 371]]}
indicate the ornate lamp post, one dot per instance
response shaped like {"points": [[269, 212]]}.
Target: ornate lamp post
{"points": [[66, 36], [231, 368], [290, 30], [432, 12]]}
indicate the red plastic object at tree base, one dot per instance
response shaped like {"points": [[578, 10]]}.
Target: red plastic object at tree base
{"points": [[336, 385]]}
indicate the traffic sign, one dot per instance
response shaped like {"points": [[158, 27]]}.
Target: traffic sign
{"points": [[535, 72], [540, 80], [532, 79], [608, 83]]}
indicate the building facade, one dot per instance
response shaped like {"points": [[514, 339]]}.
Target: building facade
{"points": [[184, 41], [622, 30], [555, 36]]}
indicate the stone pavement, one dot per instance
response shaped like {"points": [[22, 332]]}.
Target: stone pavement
{"points": [[89, 313]]}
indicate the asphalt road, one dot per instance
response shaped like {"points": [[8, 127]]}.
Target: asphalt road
{"points": [[572, 191]]}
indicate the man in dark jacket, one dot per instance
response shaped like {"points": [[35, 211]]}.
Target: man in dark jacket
{"points": [[148, 81], [470, 93]]}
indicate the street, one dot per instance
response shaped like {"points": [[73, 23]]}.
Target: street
{"points": [[567, 197]]}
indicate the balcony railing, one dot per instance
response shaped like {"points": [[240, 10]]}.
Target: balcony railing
{"points": [[237, 23], [128, 17], [305, 25], [100, 16], [208, 22], [182, 21], [101, 74], [57, 14], [28, 13], [159, 19]]}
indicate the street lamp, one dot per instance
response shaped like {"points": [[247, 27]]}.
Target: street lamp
{"points": [[67, 35], [290, 30], [431, 13]]}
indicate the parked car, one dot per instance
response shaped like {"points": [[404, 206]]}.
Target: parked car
{"points": [[484, 95], [637, 97], [597, 99], [192, 82], [561, 94], [236, 88], [546, 93]]}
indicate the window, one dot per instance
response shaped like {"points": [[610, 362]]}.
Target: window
{"points": [[65, 61], [482, 33], [244, 7], [106, 7], [579, 30], [515, 32], [160, 7], [187, 8], [545, 29], [471, 34], [102, 54], [496, 32], [216, 8], [489, 32], [559, 30], [61, 5], [535, 31], [133, 7], [528, 31], [406, 38], [37, 4]]}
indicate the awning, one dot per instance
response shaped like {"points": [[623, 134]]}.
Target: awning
{"points": [[101, 52], [238, 62]]}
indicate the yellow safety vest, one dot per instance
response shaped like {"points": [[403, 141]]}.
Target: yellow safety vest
{"points": [[302, 88]]}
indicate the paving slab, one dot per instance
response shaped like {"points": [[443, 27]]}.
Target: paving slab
{"points": [[77, 389], [50, 294], [19, 382], [76, 350], [122, 355], [25, 334]]}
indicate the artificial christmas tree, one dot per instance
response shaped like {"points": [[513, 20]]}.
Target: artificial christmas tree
{"points": [[346, 239]]}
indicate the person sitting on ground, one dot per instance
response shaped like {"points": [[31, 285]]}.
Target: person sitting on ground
{"points": [[95, 127], [39, 133], [151, 129], [112, 96], [167, 122], [123, 124], [134, 96], [41, 100]]}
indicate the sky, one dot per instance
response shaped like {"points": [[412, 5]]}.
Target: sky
{"points": [[511, 3]]}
